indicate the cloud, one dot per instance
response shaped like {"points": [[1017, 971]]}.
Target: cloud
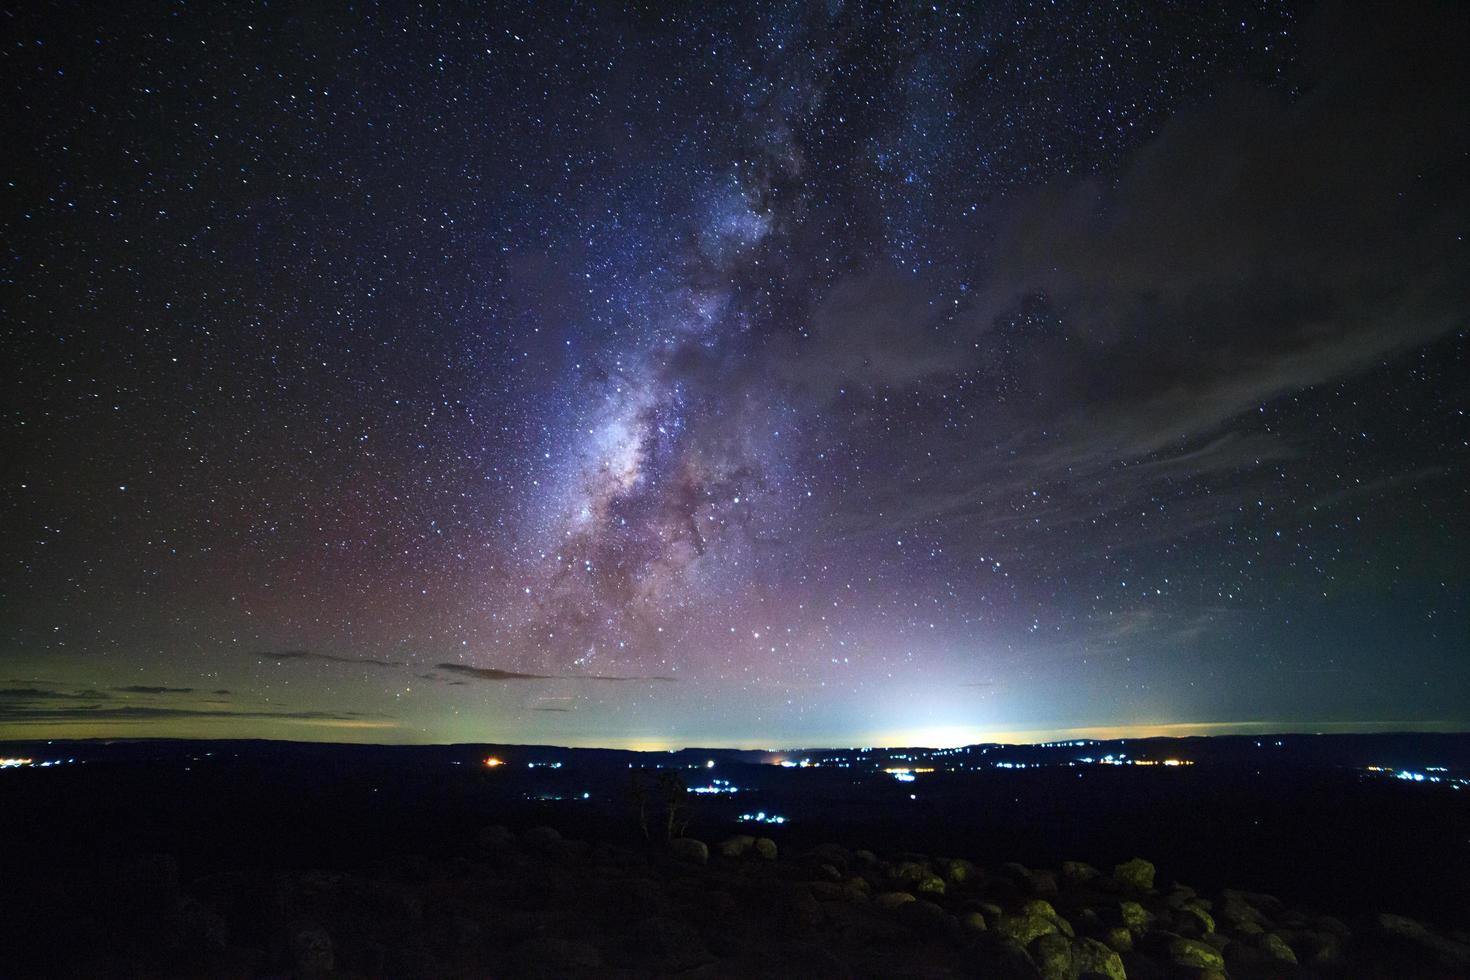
{"points": [[49, 694], [496, 674], [37, 707], [328, 658], [146, 689]]}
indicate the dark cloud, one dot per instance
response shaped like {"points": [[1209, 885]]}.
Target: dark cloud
{"points": [[49, 694], [146, 689], [39, 714], [496, 674], [328, 658]]}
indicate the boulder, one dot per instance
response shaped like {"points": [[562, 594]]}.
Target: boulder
{"points": [[826, 891], [737, 846], [541, 837], [910, 872], [1136, 874], [1052, 954], [552, 956], [1120, 939], [673, 944], [1195, 955], [494, 839], [958, 870], [973, 921], [834, 854], [311, 951], [689, 849], [1005, 960], [892, 900], [1094, 958], [930, 884], [1134, 916], [765, 848], [1078, 872], [1193, 915], [1276, 949], [1023, 929]]}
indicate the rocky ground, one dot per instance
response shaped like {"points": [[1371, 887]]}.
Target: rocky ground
{"points": [[533, 904]]}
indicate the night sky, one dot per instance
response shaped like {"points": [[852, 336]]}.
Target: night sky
{"points": [[787, 374]]}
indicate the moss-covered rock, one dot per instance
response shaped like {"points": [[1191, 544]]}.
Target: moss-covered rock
{"points": [[1052, 954], [892, 900], [1137, 874], [1134, 916], [1024, 929], [1092, 957], [689, 849], [1277, 949], [1193, 954], [930, 884], [737, 846], [1078, 872]]}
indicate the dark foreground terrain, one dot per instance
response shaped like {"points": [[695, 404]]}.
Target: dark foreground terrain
{"points": [[1283, 858]]}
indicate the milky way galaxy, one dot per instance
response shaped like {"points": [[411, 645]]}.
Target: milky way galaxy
{"points": [[769, 375]]}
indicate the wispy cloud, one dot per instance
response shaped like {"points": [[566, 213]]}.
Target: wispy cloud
{"points": [[496, 674], [149, 689], [327, 658]]}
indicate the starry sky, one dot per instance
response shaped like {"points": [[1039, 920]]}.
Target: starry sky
{"points": [[758, 374]]}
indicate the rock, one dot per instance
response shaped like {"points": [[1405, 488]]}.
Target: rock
{"points": [[1193, 954], [1193, 913], [958, 870], [892, 900], [1039, 906], [1277, 949], [1137, 874], [1120, 939], [926, 918], [829, 872], [1092, 957], [865, 857], [1004, 960], [689, 849], [737, 846], [311, 951], [910, 872], [826, 891], [196, 924], [674, 944], [765, 848], [930, 884], [146, 881], [1399, 926], [1134, 916], [833, 854], [494, 839], [550, 956], [1052, 955], [1023, 929], [973, 921], [541, 837], [1402, 929], [1078, 872], [803, 910]]}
